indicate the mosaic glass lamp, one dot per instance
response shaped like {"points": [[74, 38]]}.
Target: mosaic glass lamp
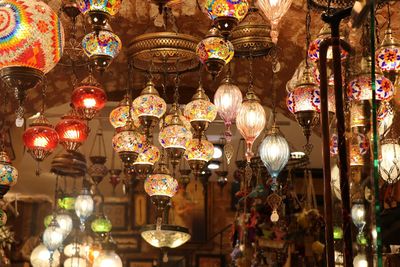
{"points": [[388, 53], [199, 152], [144, 163], [88, 98], [101, 48], [214, 51], [101, 225], [119, 115], [72, 131], [8, 174], [226, 14], [40, 138], [99, 11]]}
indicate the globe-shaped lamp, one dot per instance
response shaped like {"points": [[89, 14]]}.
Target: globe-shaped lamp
{"points": [[120, 114], [360, 260], [53, 236], [101, 225], [8, 174], [198, 152], [40, 138], [108, 258], [88, 98], [99, 11], [389, 165], [388, 53], [145, 161], [84, 206], [358, 215], [72, 131], [214, 51], [40, 257], [65, 223]]}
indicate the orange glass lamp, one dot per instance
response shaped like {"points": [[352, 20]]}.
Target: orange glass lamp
{"points": [[199, 152], [88, 98], [144, 164], [31, 44], [72, 131], [40, 138]]}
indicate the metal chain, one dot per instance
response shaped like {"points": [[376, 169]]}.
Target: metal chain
{"points": [[176, 93], [44, 92], [308, 31], [3, 122], [251, 77]]}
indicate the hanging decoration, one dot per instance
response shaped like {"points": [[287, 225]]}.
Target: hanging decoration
{"points": [[99, 11], [40, 256], [8, 174], [199, 151], [107, 256], [97, 155], [144, 164], [389, 165], [84, 206], [120, 114]]}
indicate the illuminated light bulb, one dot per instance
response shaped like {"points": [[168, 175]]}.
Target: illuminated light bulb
{"points": [[107, 258], [40, 142], [358, 215], [89, 102], [360, 260], [40, 257], [53, 236]]}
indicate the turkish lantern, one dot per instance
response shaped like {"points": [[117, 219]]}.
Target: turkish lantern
{"points": [[72, 131]]}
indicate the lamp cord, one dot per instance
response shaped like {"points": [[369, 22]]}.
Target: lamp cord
{"points": [[308, 32]]}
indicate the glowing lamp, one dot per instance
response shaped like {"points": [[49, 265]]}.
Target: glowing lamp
{"points": [[40, 257], [75, 262], [8, 174], [101, 225], [147, 158], [358, 215], [88, 98], [360, 260], [64, 221], [388, 53], [168, 236], [214, 51], [226, 13], [84, 206], [53, 236], [66, 202], [40, 138], [31, 44], [250, 121], [107, 258], [3, 218], [120, 114], [200, 111], [72, 131], [101, 47], [198, 152], [389, 165], [228, 99], [99, 11]]}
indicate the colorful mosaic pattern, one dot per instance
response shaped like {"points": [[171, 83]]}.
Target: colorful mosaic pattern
{"points": [[150, 105], [149, 155], [388, 58], [174, 136], [334, 145], [167, 120], [161, 185], [313, 50], [199, 150], [358, 149], [128, 141], [8, 173], [304, 98], [31, 35], [200, 110], [105, 43], [385, 117], [227, 8], [101, 225], [108, 6], [215, 48], [360, 88], [120, 114], [3, 218]]}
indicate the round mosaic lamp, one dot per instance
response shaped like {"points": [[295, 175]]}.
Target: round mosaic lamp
{"points": [[99, 11], [101, 225], [31, 44], [72, 131], [120, 114], [145, 161], [226, 14], [88, 98], [101, 48], [198, 152], [40, 138], [8, 174], [388, 53], [214, 51]]}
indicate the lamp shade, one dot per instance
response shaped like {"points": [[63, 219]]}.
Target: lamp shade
{"points": [[31, 35], [88, 98], [149, 103], [65, 223], [128, 140], [40, 138], [388, 53], [101, 225], [53, 236], [358, 215], [84, 205], [8, 173], [161, 184], [150, 154], [108, 258], [168, 236], [200, 108], [72, 131], [274, 152], [201, 150], [40, 257], [227, 13], [168, 120], [110, 7], [120, 114], [389, 165], [174, 134]]}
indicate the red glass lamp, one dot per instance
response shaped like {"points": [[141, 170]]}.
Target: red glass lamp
{"points": [[72, 131], [40, 138], [88, 98]]}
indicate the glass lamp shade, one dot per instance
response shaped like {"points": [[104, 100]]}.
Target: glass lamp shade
{"points": [[168, 119], [8, 173], [3, 218], [313, 49], [274, 152], [214, 51], [119, 115], [175, 135], [40, 257], [359, 147], [31, 35], [53, 236], [40, 138], [150, 154], [108, 258], [388, 53], [304, 98], [72, 131], [250, 120], [88, 98], [101, 47], [274, 10], [101, 225], [228, 99], [160, 184], [128, 143], [84, 205], [360, 88], [385, 118], [389, 165], [66, 203], [149, 103], [65, 223], [75, 262], [201, 150], [110, 7], [358, 215], [200, 108], [226, 13], [169, 236], [360, 260]]}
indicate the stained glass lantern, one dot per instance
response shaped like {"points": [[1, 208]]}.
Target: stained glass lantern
{"points": [[313, 49], [226, 14], [359, 147], [389, 165], [199, 152], [214, 51], [99, 11], [32, 41], [101, 225], [128, 143], [228, 99], [200, 111], [84, 206], [274, 152], [3, 218], [174, 136], [72, 131], [274, 10], [40, 138], [66, 202], [147, 158], [98, 170], [64, 221], [168, 119], [53, 236], [8, 174], [120, 114], [385, 118], [88, 98], [40, 257], [101, 48], [388, 53], [150, 107], [360, 87], [250, 121]]}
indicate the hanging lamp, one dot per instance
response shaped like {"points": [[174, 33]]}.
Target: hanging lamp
{"points": [[199, 151], [97, 155], [120, 114], [107, 256], [389, 165], [40, 257], [84, 206], [144, 164], [99, 11], [8, 173]]}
